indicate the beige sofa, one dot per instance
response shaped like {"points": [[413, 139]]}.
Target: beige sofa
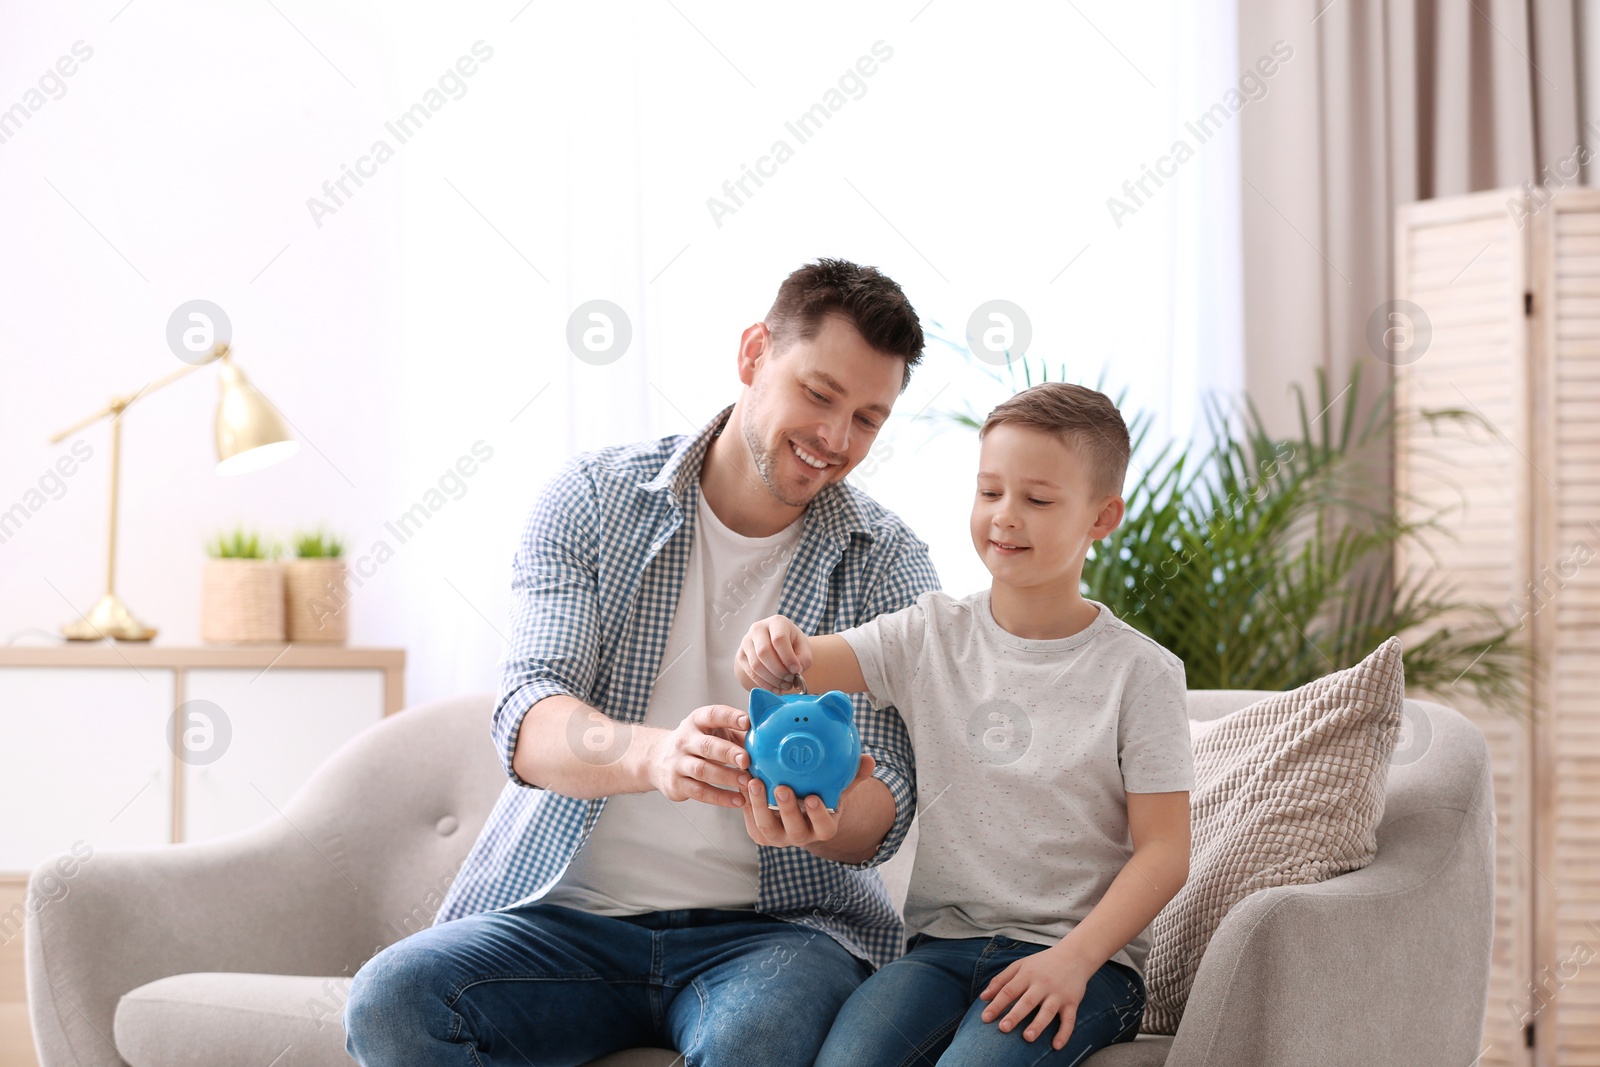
{"points": [[240, 951]]}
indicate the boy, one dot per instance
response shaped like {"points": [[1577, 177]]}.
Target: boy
{"points": [[1048, 735]]}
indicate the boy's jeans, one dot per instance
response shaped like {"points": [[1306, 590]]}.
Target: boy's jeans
{"points": [[552, 985], [923, 1009]]}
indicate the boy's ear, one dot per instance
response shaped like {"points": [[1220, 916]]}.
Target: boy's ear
{"points": [[841, 706], [761, 704], [1110, 517]]}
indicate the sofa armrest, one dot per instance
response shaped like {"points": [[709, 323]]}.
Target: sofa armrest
{"points": [[1385, 965], [266, 900]]}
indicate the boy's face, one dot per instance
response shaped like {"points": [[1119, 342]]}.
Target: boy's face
{"points": [[1034, 514], [829, 395]]}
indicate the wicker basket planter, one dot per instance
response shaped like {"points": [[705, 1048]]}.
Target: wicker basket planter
{"points": [[315, 605], [241, 600]]}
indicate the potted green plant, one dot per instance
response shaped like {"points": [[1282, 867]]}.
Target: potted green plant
{"points": [[241, 590], [315, 605]]}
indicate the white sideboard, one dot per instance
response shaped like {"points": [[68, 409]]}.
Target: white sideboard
{"points": [[97, 751]]}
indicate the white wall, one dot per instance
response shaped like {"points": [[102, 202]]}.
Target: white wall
{"points": [[428, 310]]}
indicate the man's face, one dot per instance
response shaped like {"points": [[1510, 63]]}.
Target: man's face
{"points": [[827, 397], [1035, 513]]}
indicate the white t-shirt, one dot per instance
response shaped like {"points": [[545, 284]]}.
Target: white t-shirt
{"points": [[1025, 753], [648, 853]]}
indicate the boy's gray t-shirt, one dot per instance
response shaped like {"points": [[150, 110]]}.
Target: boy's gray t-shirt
{"points": [[1025, 751]]}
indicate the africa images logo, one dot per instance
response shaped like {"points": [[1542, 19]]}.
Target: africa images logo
{"points": [[804, 127], [406, 126]]}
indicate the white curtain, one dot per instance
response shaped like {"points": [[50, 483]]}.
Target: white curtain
{"points": [[975, 162], [594, 153]]}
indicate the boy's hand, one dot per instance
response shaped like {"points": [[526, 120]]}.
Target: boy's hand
{"points": [[794, 824], [773, 652], [1052, 981]]}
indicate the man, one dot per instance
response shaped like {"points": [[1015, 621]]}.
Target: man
{"points": [[632, 887]]}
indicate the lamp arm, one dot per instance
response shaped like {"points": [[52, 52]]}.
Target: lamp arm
{"points": [[121, 403]]}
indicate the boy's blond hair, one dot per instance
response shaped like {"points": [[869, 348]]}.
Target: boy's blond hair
{"points": [[1085, 419]]}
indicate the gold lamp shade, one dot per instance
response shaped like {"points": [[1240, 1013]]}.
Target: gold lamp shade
{"points": [[250, 432]]}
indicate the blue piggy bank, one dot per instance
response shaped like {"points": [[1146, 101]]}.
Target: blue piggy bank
{"points": [[808, 743]]}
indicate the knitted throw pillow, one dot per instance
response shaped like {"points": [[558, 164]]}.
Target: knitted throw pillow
{"points": [[1288, 791]]}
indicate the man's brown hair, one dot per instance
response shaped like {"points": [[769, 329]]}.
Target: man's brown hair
{"points": [[867, 298], [1085, 419]]}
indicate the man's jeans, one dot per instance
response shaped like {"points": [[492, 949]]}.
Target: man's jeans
{"points": [[552, 985], [923, 1009]]}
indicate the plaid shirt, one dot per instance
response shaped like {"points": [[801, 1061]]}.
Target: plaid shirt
{"points": [[594, 586]]}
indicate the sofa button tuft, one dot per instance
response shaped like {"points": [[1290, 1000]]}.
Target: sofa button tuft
{"points": [[446, 826]]}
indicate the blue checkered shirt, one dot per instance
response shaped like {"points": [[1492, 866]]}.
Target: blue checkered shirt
{"points": [[594, 586]]}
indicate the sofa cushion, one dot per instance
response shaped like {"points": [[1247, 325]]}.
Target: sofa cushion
{"points": [[205, 1018], [287, 1020], [1288, 791], [1146, 1050]]}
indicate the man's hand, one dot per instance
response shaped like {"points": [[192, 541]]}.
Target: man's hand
{"points": [[795, 824], [1052, 981], [703, 758], [773, 653]]}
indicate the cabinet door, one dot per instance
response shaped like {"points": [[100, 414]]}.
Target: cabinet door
{"points": [[85, 758], [259, 735]]}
